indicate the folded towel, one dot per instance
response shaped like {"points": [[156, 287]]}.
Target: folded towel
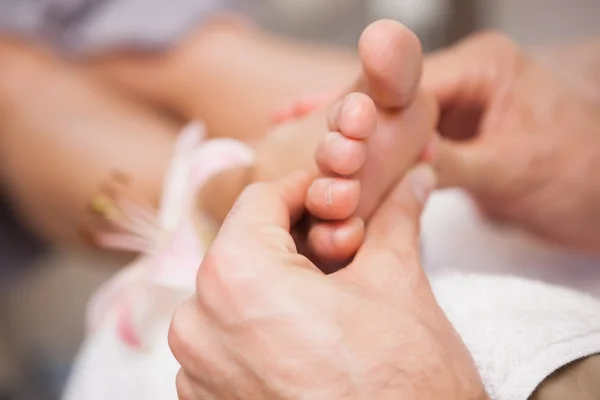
{"points": [[519, 331], [455, 237], [534, 311]]}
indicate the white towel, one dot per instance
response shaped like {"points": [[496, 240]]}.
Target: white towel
{"points": [[519, 331], [455, 237], [534, 311]]}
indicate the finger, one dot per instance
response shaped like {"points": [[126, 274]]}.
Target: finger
{"points": [[266, 207], [391, 242], [196, 343], [189, 389], [191, 341], [185, 390], [468, 165], [254, 243], [459, 72]]}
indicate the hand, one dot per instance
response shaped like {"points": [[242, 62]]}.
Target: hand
{"points": [[521, 140], [265, 323], [577, 63]]}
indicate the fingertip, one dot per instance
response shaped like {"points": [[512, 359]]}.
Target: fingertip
{"points": [[268, 203]]}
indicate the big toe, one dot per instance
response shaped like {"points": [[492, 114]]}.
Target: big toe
{"points": [[391, 57]]}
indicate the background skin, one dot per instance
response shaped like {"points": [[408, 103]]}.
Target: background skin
{"points": [[521, 138]]}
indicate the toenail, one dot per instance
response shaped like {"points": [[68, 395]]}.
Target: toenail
{"points": [[337, 146], [339, 188], [329, 195]]}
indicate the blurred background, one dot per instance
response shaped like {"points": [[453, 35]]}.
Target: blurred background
{"points": [[43, 291]]}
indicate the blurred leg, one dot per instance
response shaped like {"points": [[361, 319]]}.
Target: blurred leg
{"points": [[232, 76], [62, 134]]}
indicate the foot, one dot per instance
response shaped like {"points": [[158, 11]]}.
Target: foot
{"points": [[301, 107], [376, 133], [372, 135]]}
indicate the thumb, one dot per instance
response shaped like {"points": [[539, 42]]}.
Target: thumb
{"points": [[391, 241], [465, 164], [470, 70]]}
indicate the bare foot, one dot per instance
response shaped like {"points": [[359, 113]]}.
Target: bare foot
{"points": [[372, 134], [377, 132]]}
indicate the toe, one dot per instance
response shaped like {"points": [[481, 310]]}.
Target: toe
{"points": [[333, 198], [336, 241], [343, 151], [355, 116], [391, 56], [337, 154]]}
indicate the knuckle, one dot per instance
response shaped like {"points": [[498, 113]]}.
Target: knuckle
{"points": [[177, 336], [224, 267], [189, 340], [183, 386]]}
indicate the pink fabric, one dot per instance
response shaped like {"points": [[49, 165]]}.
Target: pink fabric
{"points": [[172, 261]]}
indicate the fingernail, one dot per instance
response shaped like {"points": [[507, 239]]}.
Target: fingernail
{"points": [[422, 180]]}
